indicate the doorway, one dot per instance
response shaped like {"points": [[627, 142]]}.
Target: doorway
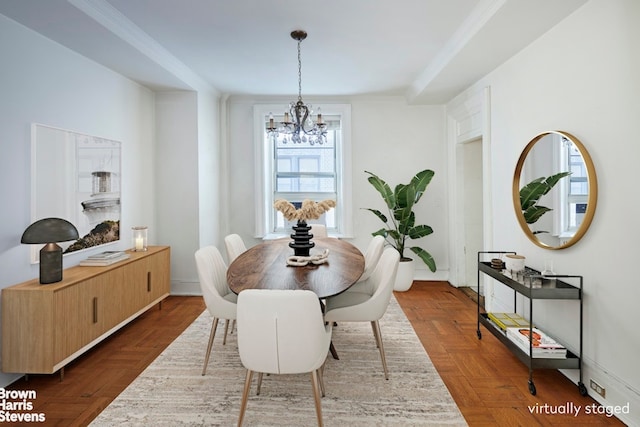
{"points": [[469, 148], [473, 218]]}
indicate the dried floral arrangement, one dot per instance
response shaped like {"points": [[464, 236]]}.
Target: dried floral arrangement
{"points": [[308, 210]]}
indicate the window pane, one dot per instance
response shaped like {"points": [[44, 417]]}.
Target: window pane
{"points": [[308, 159], [305, 184], [578, 177]]}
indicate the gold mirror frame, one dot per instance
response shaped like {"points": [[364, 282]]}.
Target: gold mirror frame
{"points": [[591, 198]]}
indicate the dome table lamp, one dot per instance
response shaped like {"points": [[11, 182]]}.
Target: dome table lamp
{"points": [[50, 231]]}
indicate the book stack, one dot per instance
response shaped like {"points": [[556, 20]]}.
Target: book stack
{"points": [[543, 346], [104, 258], [508, 320]]}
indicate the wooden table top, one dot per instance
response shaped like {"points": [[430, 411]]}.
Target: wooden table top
{"points": [[264, 266]]}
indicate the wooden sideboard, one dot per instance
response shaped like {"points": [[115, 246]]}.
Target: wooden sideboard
{"points": [[44, 327]]}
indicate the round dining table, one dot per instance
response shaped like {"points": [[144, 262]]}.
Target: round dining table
{"points": [[264, 266]]}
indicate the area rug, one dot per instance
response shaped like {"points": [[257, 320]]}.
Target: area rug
{"points": [[172, 391]]}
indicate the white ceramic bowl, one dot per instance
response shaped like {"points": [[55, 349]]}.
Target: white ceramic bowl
{"points": [[514, 262]]}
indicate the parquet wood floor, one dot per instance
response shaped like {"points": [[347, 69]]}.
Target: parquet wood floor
{"points": [[486, 381]]}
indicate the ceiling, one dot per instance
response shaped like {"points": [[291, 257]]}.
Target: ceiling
{"points": [[425, 50]]}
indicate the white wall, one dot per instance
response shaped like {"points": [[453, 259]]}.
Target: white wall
{"points": [[42, 82], [188, 162], [389, 138], [581, 77]]}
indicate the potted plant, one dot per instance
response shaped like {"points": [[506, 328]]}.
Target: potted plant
{"points": [[400, 224]]}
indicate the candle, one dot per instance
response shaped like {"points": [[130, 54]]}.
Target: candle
{"points": [[286, 117], [139, 238]]}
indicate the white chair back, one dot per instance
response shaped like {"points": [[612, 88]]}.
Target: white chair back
{"points": [[235, 246], [212, 272], [281, 331], [319, 230], [372, 256], [383, 278]]}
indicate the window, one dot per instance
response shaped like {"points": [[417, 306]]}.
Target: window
{"points": [[296, 172], [576, 187]]}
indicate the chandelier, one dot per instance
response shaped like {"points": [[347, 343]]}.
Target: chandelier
{"points": [[298, 126]]}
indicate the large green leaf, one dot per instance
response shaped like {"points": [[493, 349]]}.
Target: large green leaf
{"points": [[405, 196], [534, 213], [383, 188], [402, 214], [553, 179], [420, 182], [379, 214], [406, 222], [531, 193], [420, 231], [382, 232], [426, 257]]}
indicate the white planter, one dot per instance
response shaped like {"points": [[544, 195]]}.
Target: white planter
{"points": [[404, 279]]}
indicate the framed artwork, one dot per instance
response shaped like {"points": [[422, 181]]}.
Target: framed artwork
{"points": [[76, 177]]}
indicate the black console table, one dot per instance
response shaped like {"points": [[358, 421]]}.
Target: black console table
{"points": [[547, 287]]}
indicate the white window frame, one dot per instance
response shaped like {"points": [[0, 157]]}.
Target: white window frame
{"points": [[264, 170], [562, 215]]}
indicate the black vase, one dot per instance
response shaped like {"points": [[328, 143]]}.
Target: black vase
{"points": [[302, 243]]}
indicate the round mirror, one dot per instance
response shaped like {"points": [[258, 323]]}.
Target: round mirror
{"points": [[554, 190]]}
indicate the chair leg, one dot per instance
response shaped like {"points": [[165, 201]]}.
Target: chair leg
{"points": [[214, 325], [321, 379], [259, 383], [375, 333], [378, 334], [226, 329], [316, 396], [245, 396]]}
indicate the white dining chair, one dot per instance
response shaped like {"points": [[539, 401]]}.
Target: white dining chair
{"points": [[220, 301], [234, 246], [282, 332], [368, 306], [319, 230]]}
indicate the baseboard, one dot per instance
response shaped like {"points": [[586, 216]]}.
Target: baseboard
{"points": [[185, 288], [424, 274]]}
